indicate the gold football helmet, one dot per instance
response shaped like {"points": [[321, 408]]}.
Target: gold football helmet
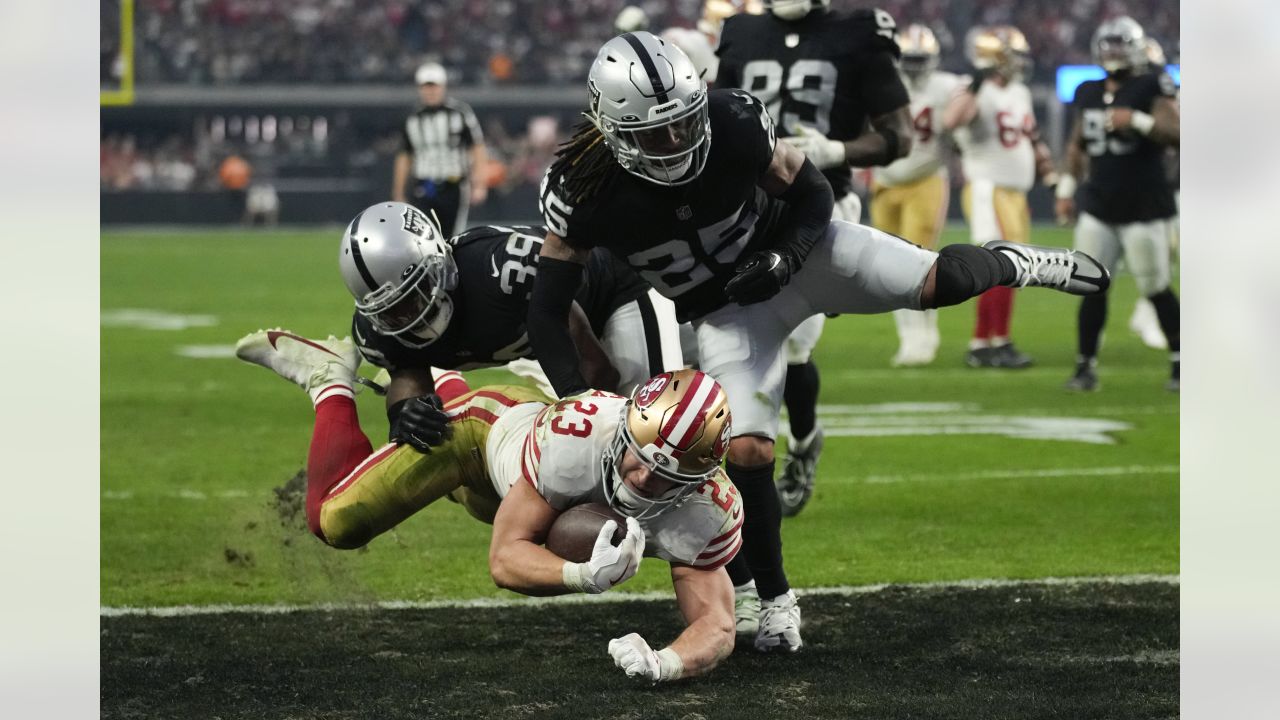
{"points": [[715, 12], [678, 425], [920, 51], [999, 48], [1155, 55]]}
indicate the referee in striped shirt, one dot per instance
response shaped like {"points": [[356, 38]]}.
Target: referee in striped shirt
{"points": [[442, 155]]}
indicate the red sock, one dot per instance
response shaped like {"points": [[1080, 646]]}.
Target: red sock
{"points": [[450, 386], [337, 447], [982, 329], [1002, 310]]}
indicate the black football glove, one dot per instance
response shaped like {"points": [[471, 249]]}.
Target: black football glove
{"points": [[979, 76], [758, 278], [422, 424]]}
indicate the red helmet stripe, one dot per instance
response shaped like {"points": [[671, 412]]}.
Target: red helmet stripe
{"points": [[683, 425]]}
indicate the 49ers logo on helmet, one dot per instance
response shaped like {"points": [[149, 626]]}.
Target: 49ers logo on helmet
{"points": [[722, 442], [652, 389]]}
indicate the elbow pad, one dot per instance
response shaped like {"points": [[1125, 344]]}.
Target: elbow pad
{"points": [[548, 324]]}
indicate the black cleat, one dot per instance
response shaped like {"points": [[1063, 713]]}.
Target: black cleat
{"points": [[980, 357], [1085, 379], [1009, 357]]}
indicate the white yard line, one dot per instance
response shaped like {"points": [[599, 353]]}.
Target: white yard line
{"points": [[608, 598]]}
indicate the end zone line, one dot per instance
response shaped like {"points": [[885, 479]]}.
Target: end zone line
{"points": [[620, 597]]}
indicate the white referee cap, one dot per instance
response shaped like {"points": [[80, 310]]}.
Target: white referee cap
{"points": [[430, 73]]}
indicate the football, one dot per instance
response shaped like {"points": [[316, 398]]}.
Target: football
{"points": [[573, 534]]}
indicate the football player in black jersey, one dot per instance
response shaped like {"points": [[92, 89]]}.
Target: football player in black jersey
{"points": [[691, 189], [830, 82], [1123, 124], [423, 302]]}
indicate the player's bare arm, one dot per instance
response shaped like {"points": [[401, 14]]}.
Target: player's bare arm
{"points": [[409, 383], [479, 173], [519, 562], [1162, 124], [705, 598], [888, 139], [961, 110], [560, 269]]}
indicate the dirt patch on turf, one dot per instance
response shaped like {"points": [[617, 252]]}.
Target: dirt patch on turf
{"points": [[290, 502]]}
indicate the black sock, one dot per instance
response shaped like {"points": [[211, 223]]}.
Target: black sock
{"points": [[1169, 313], [1089, 323], [739, 573], [966, 271], [801, 396], [762, 527]]}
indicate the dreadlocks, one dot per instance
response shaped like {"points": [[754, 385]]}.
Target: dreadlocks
{"points": [[584, 164]]}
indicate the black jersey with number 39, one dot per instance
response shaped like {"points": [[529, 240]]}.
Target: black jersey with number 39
{"points": [[1127, 179], [828, 71], [496, 267], [685, 240]]}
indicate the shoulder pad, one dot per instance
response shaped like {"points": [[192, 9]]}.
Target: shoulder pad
{"points": [[745, 108], [706, 531], [877, 27], [561, 455]]}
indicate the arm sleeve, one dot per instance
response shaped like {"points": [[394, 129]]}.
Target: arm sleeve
{"points": [[548, 324], [811, 200]]}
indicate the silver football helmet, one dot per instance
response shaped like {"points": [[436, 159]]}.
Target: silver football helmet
{"points": [[650, 104], [794, 9], [400, 269], [1119, 44]]}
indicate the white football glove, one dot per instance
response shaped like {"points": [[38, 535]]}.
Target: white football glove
{"points": [[609, 565], [823, 153], [631, 653]]}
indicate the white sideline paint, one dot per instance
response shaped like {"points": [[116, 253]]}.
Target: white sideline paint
{"points": [[1015, 474], [617, 597], [148, 319], [908, 419]]}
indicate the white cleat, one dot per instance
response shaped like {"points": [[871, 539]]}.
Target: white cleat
{"points": [[746, 609], [1144, 323], [779, 624], [1070, 271], [313, 365]]}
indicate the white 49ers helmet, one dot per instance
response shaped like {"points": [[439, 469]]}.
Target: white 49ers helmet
{"points": [[920, 51], [400, 270], [678, 425], [650, 104]]}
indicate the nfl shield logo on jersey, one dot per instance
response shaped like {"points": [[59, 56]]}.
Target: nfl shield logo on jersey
{"points": [[652, 389]]}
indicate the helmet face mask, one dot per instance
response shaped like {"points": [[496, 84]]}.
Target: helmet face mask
{"points": [[1119, 45], [677, 426], [920, 51], [650, 104], [400, 272], [1002, 49]]}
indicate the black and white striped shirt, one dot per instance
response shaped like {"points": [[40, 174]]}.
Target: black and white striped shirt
{"points": [[440, 139]]}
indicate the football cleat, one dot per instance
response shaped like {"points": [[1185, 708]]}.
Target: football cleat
{"points": [[980, 357], [746, 609], [799, 472], [1085, 379], [779, 624], [1070, 271], [1174, 385], [1146, 325], [1009, 357], [313, 365]]}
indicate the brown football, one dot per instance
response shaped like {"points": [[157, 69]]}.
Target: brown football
{"points": [[573, 534]]}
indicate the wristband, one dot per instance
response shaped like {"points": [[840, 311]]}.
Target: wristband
{"points": [[1066, 187], [571, 576], [1142, 122], [670, 666]]}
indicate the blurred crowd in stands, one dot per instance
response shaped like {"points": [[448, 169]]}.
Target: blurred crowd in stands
{"points": [[525, 41]]}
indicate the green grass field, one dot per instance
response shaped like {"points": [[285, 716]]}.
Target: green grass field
{"points": [[929, 475], [192, 447]]}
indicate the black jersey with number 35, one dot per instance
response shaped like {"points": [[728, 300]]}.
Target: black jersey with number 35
{"points": [[685, 240], [828, 71], [1127, 179], [496, 267]]}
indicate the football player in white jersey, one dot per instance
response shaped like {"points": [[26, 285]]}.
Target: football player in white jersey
{"points": [[514, 459], [909, 196], [1002, 154]]}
